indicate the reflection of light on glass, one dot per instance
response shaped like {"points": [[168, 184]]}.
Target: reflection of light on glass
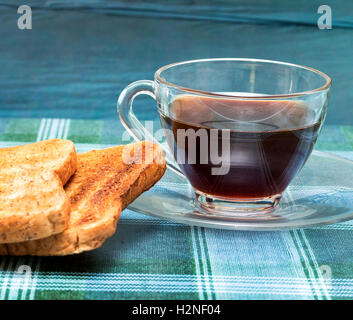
{"points": [[244, 156], [252, 78], [242, 111]]}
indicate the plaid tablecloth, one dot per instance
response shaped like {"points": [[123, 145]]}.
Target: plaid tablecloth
{"points": [[149, 258]]}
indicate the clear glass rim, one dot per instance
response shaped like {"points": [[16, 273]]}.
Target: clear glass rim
{"points": [[327, 84]]}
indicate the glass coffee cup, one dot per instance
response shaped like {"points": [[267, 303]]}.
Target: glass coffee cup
{"points": [[239, 130]]}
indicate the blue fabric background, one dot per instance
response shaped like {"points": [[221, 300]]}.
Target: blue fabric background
{"points": [[81, 54]]}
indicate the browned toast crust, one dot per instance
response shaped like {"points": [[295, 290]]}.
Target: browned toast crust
{"points": [[33, 203], [101, 188]]}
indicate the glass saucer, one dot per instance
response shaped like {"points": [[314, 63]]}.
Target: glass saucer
{"points": [[322, 193]]}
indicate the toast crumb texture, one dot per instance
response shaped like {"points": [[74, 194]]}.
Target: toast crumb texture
{"points": [[33, 203]]}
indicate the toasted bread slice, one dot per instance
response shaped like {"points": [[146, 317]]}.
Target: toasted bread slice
{"points": [[105, 182], [33, 203]]}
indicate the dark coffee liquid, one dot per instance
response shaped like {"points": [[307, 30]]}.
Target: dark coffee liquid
{"points": [[269, 143]]}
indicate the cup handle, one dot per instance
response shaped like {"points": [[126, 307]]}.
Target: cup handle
{"points": [[133, 125]]}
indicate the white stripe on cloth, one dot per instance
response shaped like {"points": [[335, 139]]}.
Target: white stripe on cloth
{"points": [[312, 278], [320, 290], [197, 264], [227, 285], [295, 258], [7, 278], [204, 265], [3, 274], [15, 284], [316, 265]]}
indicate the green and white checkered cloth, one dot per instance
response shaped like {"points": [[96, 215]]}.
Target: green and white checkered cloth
{"points": [[149, 258]]}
